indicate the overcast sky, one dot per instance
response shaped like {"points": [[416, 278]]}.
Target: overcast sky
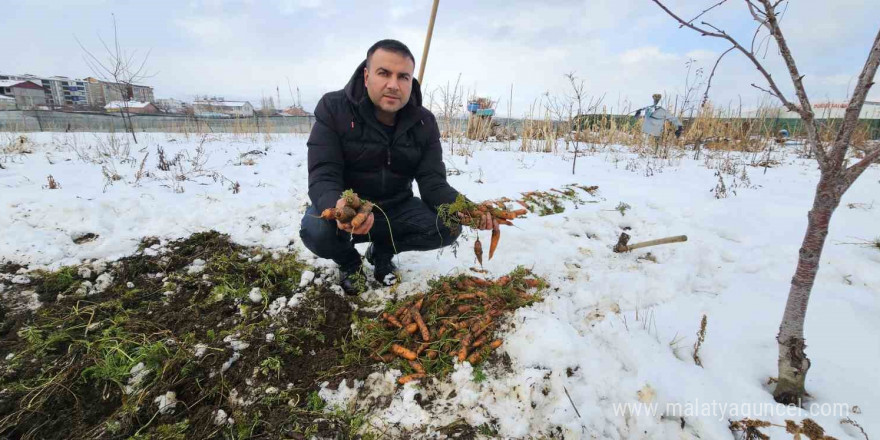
{"points": [[622, 49]]}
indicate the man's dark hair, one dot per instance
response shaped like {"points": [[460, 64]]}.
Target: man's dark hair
{"points": [[390, 46]]}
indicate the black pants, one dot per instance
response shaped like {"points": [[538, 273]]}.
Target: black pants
{"points": [[414, 227]]}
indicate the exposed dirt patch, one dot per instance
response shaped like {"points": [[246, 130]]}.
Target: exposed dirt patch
{"points": [[197, 338]]}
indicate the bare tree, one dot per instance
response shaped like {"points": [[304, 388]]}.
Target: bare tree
{"points": [[119, 68], [836, 176], [451, 102], [584, 108]]}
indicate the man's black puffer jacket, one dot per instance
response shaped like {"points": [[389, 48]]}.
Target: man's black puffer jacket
{"points": [[349, 149]]}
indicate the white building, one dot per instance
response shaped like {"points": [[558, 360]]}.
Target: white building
{"points": [[170, 105], [220, 108], [131, 106]]}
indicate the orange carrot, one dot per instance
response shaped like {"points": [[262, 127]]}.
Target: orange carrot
{"points": [[421, 348], [329, 214], [520, 212], [480, 282], [495, 344], [463, 351], [530, 282], [506, 215], [481, 330], [432, 354], [403, 352], [412, 328], [474, 358], [464, 309], [410, 377], [496, 235], [358, 220], [480, 341], [391, 319], [478, 251], [466, 296], [426, 336], [406, 317], [417, 366], [502, 281]]}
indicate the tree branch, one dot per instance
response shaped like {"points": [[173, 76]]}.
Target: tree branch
{"points": [[753, 9], [806, 112], [769, 92], [712, 75], [751, 56], [852, 173], [851, 117], [704, 12]]}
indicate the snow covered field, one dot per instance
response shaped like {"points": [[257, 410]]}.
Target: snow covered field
{"points": [[615, 329]]}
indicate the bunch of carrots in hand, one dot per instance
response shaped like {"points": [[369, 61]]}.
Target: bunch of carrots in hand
{"points": [[351, 212], [472, 214]]}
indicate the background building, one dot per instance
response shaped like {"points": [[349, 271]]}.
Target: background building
{"points": [[170, 105], [219, 108], [135, 107], [100, 93], [26, 94]]}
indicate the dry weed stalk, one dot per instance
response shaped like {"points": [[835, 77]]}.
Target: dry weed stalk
{"points": [[53, 184], [701, 337]]}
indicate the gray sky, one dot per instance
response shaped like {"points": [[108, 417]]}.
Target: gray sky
{"points": [[622, 49]]}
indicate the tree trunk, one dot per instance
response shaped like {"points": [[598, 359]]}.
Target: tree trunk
{"points": [[131, 129], [793, 362]]}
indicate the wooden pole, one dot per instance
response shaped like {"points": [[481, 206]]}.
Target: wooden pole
{"points": [[624, 246], [644, 244], [428, 42]]}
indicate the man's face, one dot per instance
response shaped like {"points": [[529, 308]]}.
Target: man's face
{"points": [[388, 79]]}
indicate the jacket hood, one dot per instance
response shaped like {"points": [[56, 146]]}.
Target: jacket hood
{"points": [[355, 90]]}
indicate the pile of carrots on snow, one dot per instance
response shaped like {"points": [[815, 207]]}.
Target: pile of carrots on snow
{"points": [[453, 322]]}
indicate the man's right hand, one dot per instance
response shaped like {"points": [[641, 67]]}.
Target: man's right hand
{"points": [[347, 227]]}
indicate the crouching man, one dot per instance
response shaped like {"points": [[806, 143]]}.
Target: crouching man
{"points": [[375, 138]]}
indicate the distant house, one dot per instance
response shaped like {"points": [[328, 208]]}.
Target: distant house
{"points": [[294, 111], [170, 105], [219, 108], [27, 94], [133, 107]]}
